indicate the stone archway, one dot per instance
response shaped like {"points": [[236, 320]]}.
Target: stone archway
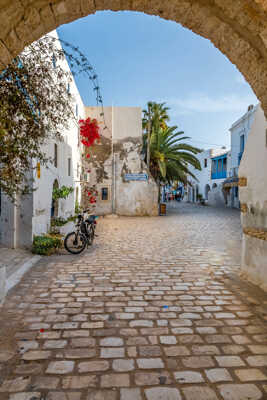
{"points": [[238, 28]]}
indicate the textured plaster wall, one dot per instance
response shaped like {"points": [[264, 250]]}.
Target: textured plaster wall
{"points": [[238, 28], [118, 153], [254, 196]]}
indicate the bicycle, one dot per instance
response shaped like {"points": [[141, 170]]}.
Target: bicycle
{"points": [[75, 242]]}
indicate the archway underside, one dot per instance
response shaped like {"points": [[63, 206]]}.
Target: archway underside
{"points": [[237, 28]]}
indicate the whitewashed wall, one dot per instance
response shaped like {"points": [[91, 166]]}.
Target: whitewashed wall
{"points": [[253, 167]]}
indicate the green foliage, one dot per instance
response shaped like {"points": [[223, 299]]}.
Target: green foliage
{"points": [[60, 221], [77, 207], [170, 156], [62, 193], [46, 244]]}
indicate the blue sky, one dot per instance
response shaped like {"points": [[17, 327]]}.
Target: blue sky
{"points": [[139, 58]]}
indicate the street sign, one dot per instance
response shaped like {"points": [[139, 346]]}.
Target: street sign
{"points": [[135, 177]]}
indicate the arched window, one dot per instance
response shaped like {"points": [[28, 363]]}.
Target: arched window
{"points": [[54, 204]]}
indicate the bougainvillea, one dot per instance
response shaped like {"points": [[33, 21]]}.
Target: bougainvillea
{"points": [[89, 131], [90, 196]]}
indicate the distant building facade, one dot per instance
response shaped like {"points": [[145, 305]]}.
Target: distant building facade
{"points": [[239, 131], [115, 166], [208, 182]]}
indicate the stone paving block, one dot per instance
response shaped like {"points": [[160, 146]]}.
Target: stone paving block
{"points": [[198, 362], [188, 377], [150, 363], [218, 375], [234, 349], [230, 361], [63, 396], [46, 382], [93, 366], [240, 392], [247, 375], [257, 361], [36, 355], [121, 365], [115, 380], [162, 393], [149, 351], [83, 342], [79, 382], [141, 323], [15, 385], [60, 367], [25, 396], [130, 394], [258, 349], [76, 333], [54, 344], [112, 352], [152, 378], [167, 339], [174, 351], [205, 350], [112, 341], [199, 393], [101, 395]]}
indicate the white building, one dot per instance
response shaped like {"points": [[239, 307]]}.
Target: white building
{"points": [[33, 214], [239, 135], [253, 198], [208, 183]]}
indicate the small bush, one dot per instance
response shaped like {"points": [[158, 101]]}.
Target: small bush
{"points": [[59, 221], [46, 245]]}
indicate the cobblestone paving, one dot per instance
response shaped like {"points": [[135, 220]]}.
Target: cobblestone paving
{"points": [[154, 311]]}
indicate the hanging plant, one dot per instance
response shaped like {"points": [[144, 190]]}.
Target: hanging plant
{"points": [[89, 131], [62, 193]]}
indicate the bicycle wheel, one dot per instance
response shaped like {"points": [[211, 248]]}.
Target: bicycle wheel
{"points": [[74, 243], [91, 233]]}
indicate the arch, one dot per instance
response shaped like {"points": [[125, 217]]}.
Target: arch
{"points": [[214, 185], [207, 190], [54, 203], [237, 28]]}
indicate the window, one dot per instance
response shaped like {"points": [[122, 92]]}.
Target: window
{"points": [[220, 165], [104, 194], [236, 191], [55, 155], [205, 163], [214, 165], [224, 164], [242, 143], [76, 110], [54, 61], [69, 166], [68, 88]]}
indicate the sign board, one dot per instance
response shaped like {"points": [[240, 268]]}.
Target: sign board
{"points": [[38, 170], [135, 177]]}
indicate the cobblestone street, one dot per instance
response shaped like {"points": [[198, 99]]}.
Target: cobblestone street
{"points": [[155, 310]]}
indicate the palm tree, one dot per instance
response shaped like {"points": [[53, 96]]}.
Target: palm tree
{"points": [[170, 157]]}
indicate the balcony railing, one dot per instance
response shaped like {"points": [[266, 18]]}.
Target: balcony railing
{"points": [[219, 174]]}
